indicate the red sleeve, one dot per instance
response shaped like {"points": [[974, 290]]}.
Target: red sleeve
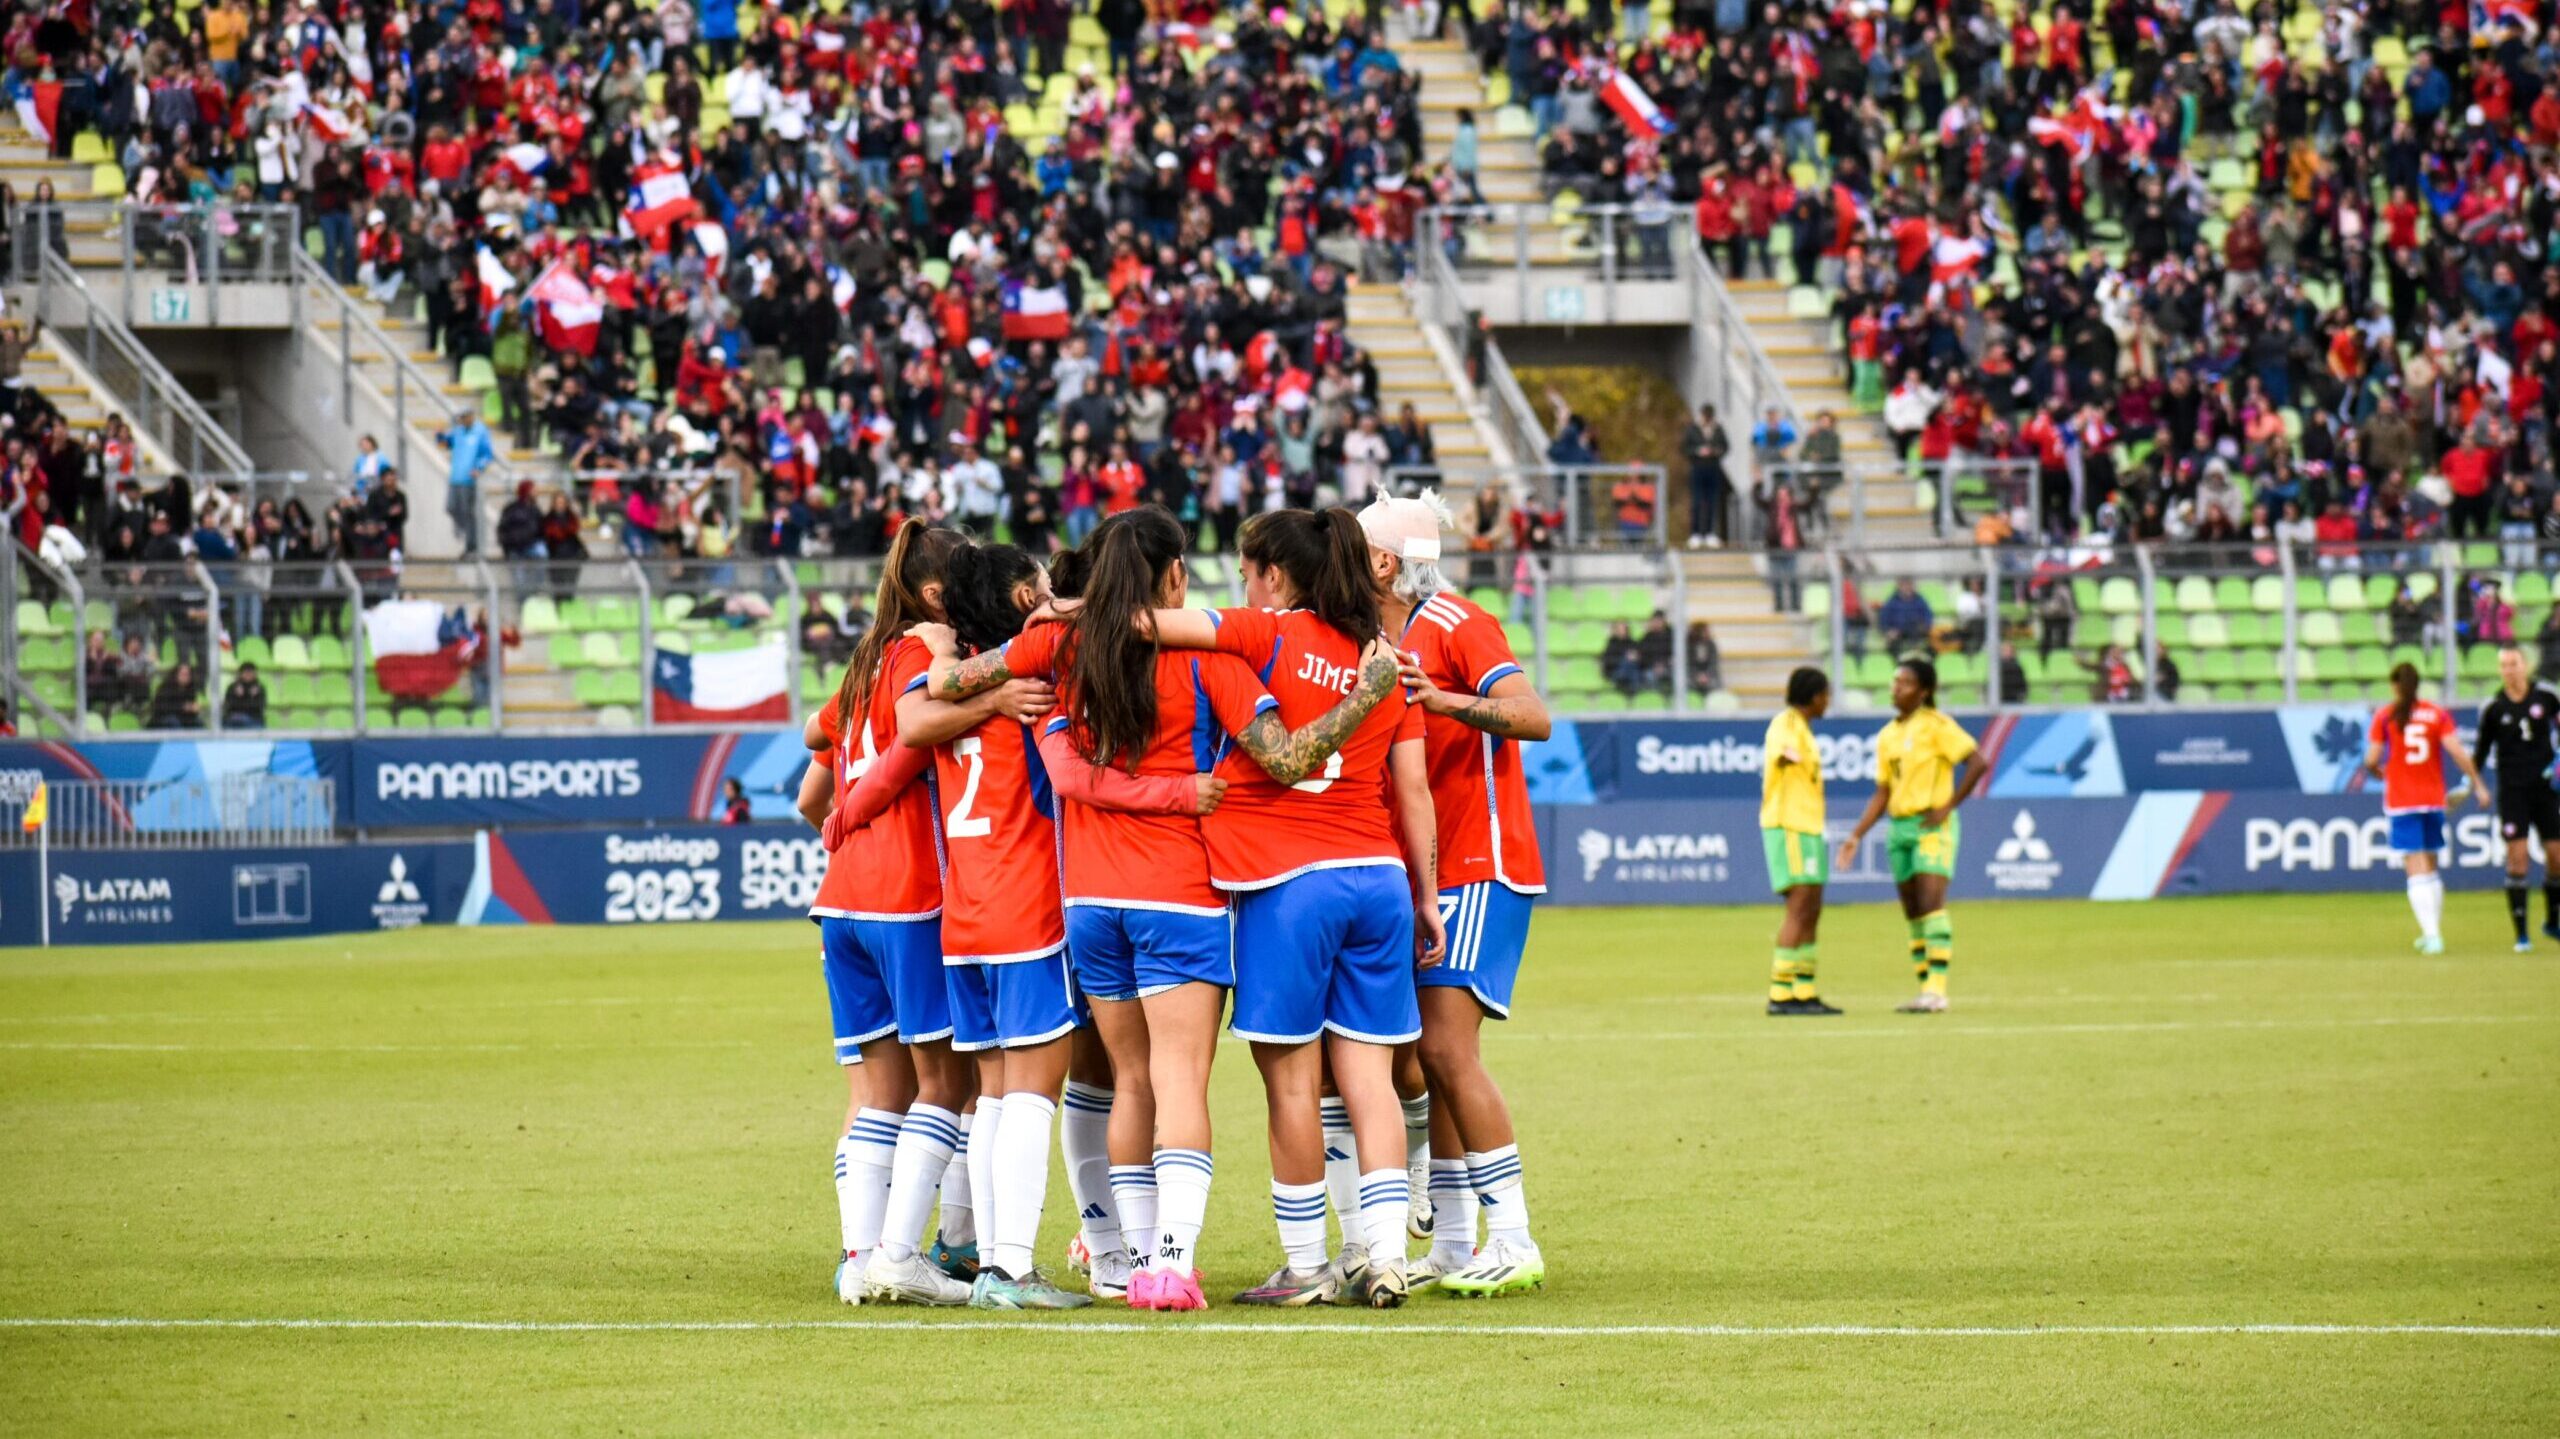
{"points": [[905, 667], [1479, 654], [1033, 654], [880, 785], [1247, 634], [2443, 727], [2380, 730], [1234, 696], [1076, 778], [1409, 721], [825, 720]]}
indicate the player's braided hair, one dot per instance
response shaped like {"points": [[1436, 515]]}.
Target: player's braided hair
{"points": [[1107, 670], [917, 556], [2404, 692]]}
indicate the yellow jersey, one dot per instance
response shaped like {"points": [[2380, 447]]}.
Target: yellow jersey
{"points": [[1790, 775], [1916, 761]]}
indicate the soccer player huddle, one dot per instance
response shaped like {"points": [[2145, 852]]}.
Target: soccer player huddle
{"points": [[1073, 825]]}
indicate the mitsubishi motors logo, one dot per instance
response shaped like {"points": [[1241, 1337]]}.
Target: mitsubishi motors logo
{"points": [[2023, 862], [398, 905], [2022, 842]]}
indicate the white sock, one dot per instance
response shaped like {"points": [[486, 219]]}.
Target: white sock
{"points": [[1495, 1177], [2426, 897], [982, 1170], [1453, 1212], [1084, 1126], [1342, 1169], [1133, 1193], [863, 1162], [925, 1143], [1182, 1205], [958, 1224], [1299, 1208], [1385, 1196], [1022, 1179], [1417, 1130]]}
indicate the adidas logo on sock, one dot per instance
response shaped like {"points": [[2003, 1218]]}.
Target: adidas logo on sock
{"points": [[1331, 1154], [1091, 1211]]}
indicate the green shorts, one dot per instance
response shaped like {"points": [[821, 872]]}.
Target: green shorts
{"points": [[1795, 858], [1913, 851]]}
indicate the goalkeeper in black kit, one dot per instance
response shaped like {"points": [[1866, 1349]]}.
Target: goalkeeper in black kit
{"points": [[2515, 737]]}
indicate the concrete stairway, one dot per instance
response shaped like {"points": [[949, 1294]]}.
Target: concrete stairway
{"points": [[1381, 321], [1816, 377]]}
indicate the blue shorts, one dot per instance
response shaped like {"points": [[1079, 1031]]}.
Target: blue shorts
{"points": [[1035, 1000], [884, 977], [1329, 949], [1488, 925], [1124, 954], [973, 1007], [2417, 832]]}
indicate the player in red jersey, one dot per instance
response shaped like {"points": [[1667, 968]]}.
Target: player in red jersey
{"points": [[1327, 934], [1478, 707], [1147, 929], [2406, 749], [879, 909]]}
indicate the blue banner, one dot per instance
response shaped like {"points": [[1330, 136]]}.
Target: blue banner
{"points": [[447, 782], [184, 896], [690, 874]]}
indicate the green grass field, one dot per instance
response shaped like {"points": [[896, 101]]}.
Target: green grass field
{"points": [[2141, 1123]]}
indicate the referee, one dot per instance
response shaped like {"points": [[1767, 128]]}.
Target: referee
{"points": [[2515, 736]]}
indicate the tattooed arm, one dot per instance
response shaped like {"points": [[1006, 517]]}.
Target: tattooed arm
{"points": [[1510, 710], [1288, 755]]}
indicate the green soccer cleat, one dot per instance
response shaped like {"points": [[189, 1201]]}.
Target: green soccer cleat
{"points": [[1498, 1269], [993, 1290], [960, 1261]]}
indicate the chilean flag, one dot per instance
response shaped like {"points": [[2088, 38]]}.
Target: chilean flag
{"points": [[1955, 255], [2488, 15], [660, 196], [1629, 102], [730, 687], [569, 315], [41, 110], [419, 651], [332, 126], [1034, 312]]}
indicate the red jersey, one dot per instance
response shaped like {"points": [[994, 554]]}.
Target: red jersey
{"points": [[1151, 861], [1264, 833], [2412, 758], [997, 811], [1479, 792], [892, 867]]}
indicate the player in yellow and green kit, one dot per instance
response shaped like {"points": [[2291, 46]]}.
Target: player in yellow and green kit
{"points": [[1791, 835], [1925, 766]]}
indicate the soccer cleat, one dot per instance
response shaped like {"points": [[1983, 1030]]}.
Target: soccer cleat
{"points": [[1383, 1284], [2524, 946], [2551, 927], [960, 1261], [1430, 1269], [911, 1281], [1346, 1269], [2430, 944], [1286, 1289], [1927, 1001], [849, 1278], [1141, 1292], [1079, 1258], [1111, 1275], [1180, 1291], [995, 1290], [1417, 1204], [1800, 1006], [1498, 1269]]}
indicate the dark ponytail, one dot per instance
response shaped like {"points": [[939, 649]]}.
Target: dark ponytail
{"points": [[1067, 571], [917, 555], [977, 593], [2404, 692], [1326, 558], [1108, 674]]}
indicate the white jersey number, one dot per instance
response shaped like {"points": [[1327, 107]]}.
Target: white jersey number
{"points": [[1332, 772], [2420, 745], [962, 824]]}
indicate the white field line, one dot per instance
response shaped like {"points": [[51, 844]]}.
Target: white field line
{"points": [[50, 1046], [1386, 1328]]}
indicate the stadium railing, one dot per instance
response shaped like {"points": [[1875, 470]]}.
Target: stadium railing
{"points": [[599, 497], [209, 247], [603, 630], [1954, 493], [361, 343], [1497, 394], [160, 407], [203, 812], [1604, 506]]}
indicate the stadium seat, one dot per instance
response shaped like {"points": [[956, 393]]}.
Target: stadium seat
{"points": [[2346, 592], [615, 717], [33, 619], [2195, 595], [90, 148], [568, 652], [615, 613], [328, 652], [1522, 638], [2258, 666], [2321, 629], [1486, 597], [2230, 594], [2266, 594], [2248, 630], [2174, 629], [540, 616], [2119, 595], [453, 719], [1629, 602], [290, 653], [292, 689], [477, 374], [411, 717], [333, 689], [2532, 587], [2208, 631], [1723, 702], [106, 182], [2310, 594], [253, 650], [576, 614], [605, 650], [1566, 602], [1817, 605]]}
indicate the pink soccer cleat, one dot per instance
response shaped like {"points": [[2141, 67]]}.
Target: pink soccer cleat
{"points": [[1142, 1289], [1180, 1291]]}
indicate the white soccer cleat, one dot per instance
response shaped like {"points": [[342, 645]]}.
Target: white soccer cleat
{"points": [[1079, 1258], [1345, 1270], [911, 1280], [1421, 1274], [1109, 1277], [849, 1278], [1417, 1200], [1927, 1001], [1383, 1284]]}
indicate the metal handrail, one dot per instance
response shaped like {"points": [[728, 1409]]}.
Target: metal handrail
{"points": [[1512, 416], [161, 407], [321, 293]]}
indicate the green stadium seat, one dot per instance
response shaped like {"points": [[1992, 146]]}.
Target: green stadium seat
{"points": [[2336, 664], [1961, 696], [568, 651], [1958, 668], [124, 720], [1649, 702], [2370, 664], [540, 616], [328, 652], [2378, 590], [1875, 670], [576, 614], [606, 650], [2266, 594], [2310, 594], [2195, 595], [338, 719], [2320, 629], [334, 690], [2532, 587], [2208, 631], [1631, 602], [292, 689], [2252, 629], [453, 719], [1486, 597], [2084, 594], [615, 717], [2217, 667], [34, 619], [2480, 555], [2231, 593], [2119, 595], [1523, 640], [477, 373], [1565, 602], [1817, 605], [2422, 584], [1589, 638], [253, 650], [614, 612], [2090, 632], [2480, 662], [2125, 630], [1579, 673], [1608, 702], [2258, 666], [2346, 592], [2173, 631], [411, 717], [289, 652], [2306, 665]]}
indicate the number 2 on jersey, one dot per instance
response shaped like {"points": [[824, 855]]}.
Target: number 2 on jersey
{"points": [[962, 824]]}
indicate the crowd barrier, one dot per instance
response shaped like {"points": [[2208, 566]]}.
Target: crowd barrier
{"points": [[613, 830]]}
